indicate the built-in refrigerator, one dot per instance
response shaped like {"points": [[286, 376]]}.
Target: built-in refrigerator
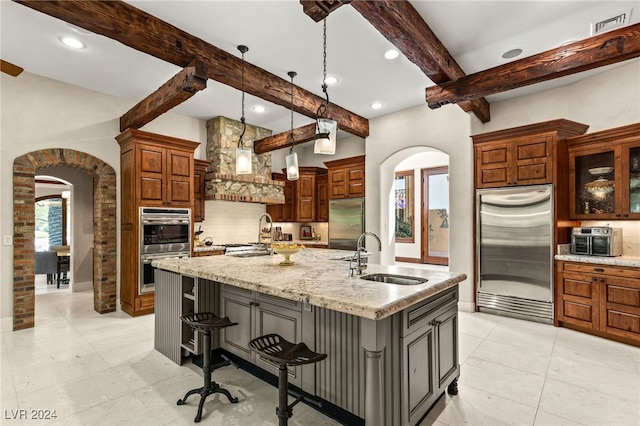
{"points": [[346, 223], [514, 251]]}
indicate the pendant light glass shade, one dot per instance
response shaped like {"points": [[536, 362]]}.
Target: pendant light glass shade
{"points": [[243, 161], [293, 171], [325, 136]]}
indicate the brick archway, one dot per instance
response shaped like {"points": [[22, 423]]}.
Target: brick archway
{"points": [[104, 229]]}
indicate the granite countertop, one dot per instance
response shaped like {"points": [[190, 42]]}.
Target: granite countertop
{"points": [[318, 280], [208, 248], [629, 261]]}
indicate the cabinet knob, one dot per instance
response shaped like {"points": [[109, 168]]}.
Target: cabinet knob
{"points": [[436, 322], [598, 269]]}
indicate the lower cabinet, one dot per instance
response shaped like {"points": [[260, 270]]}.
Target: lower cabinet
{"points": [[258, 314], [601, 299], [429, 354]]}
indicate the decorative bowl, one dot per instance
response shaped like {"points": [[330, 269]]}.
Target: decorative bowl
{"points": [[287, 250], [597, 171]]}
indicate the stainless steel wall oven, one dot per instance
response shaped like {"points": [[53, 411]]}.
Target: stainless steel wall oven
{"points": [[164, 233]]}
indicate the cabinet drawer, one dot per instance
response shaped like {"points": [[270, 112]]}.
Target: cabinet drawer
{"points": [[579, 313], [420, 314], [579, 285], [279, 301], [601, 269]]}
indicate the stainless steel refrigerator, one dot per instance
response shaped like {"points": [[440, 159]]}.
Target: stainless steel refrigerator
{"points": [[346, 223], [514, 251]]}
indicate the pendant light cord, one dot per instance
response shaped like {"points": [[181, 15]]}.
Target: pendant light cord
{"points": [[243, 49], [323, 107], [292, 74]]}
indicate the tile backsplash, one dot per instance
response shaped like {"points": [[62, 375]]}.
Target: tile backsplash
{"points": [[630, 234]]}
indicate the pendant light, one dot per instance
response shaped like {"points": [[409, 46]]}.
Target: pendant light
{"points": [[325, 128], [292, 159], [243, 155]]}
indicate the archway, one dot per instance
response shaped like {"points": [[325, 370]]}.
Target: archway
{"points": [[104, 229]]}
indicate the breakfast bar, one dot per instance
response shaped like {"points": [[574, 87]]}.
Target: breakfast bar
{"points": [[390, 333]]}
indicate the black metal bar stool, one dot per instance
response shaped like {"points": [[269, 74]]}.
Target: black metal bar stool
{"points": [[206, 322], [284, 353]]}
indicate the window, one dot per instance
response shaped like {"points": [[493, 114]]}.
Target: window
{"points": [[404, 188]]}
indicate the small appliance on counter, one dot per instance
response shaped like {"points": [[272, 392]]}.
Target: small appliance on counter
{"points": [[596, 241]]}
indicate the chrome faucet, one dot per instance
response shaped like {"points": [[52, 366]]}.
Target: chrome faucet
{"points": [[267, 216], [359, 249]]}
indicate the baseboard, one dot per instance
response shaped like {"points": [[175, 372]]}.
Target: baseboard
{"points": [[81, 286], [407, 259], [6, 324], [466, 306]]}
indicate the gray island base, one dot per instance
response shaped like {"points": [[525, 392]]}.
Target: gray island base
{"points": [[392, 350]]}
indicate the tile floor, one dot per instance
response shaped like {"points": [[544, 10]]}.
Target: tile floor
{"points": [[102, 370]]}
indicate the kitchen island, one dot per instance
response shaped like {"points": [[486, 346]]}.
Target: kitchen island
{"points": [[392, 349]]}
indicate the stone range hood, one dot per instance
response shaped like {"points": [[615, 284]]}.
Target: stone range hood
{"points": [[222, 183]]}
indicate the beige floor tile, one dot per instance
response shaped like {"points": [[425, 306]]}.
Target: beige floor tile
{"points": [[532, 359], [468, 344], [512, 384], [547, 419], [587, 406], [477, 324]]}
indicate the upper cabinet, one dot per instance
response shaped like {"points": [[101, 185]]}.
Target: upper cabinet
{"points": [[322, 198], [523, 155], [604, 174], [301, 197], [346, 177], [199, 174]]}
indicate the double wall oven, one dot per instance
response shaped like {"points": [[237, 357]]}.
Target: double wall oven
{"points": [[164, 233]]}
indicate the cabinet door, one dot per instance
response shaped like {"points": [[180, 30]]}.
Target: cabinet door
{"points": [[447, 344], [179, 180], [631, 180], [305, 194], [322, 198], [199, 175], [337, 183], [285, 322], [355, 185], [288, 206], [151, 163], [418, 369], [620, 307], [594, 183], [239, 309], [532, 157], [579, 299], [492, 165]]}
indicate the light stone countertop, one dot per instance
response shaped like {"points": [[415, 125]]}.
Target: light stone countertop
{"points": [[208, 248], [317, 280], [629, 261]]}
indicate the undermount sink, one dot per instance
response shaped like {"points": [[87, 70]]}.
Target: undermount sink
{"points": [[393, 279]]}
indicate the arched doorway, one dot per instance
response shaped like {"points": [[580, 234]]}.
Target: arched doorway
{"points": [[104, 229]]}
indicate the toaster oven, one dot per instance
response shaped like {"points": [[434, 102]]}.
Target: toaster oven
{"points": [[596, 241]]}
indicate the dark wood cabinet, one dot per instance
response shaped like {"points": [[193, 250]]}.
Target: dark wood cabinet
{"points": [[322, 198], [300, 197], [346, 177], [199, 189], [156, 171], [524, 155], [604, 171], [599, 299]]}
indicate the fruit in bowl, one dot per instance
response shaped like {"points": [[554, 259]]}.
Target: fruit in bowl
{"points": [[286, 250]]}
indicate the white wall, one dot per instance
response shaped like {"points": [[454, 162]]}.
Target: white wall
{"points": [[39, 113]]}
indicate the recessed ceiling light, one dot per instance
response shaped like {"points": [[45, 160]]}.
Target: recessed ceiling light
{"points": [[376, 105], [331, 80], [72, 42], [511, 53], [259, 109], [391, 54]]}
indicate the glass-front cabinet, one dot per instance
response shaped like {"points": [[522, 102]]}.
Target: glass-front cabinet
{"points": [[604, 174]]}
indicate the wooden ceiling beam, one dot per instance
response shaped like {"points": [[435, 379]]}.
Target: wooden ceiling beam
{"points": [[282, 140], [597, 51], [320, 9], [146, 33], [178, 89], [400, 23]]}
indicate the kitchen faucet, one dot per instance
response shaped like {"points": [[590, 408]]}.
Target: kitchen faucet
{"points": [[267, 216], [359, 249]]}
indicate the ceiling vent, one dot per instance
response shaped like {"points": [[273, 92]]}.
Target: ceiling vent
{"points": [[617, 21]]}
